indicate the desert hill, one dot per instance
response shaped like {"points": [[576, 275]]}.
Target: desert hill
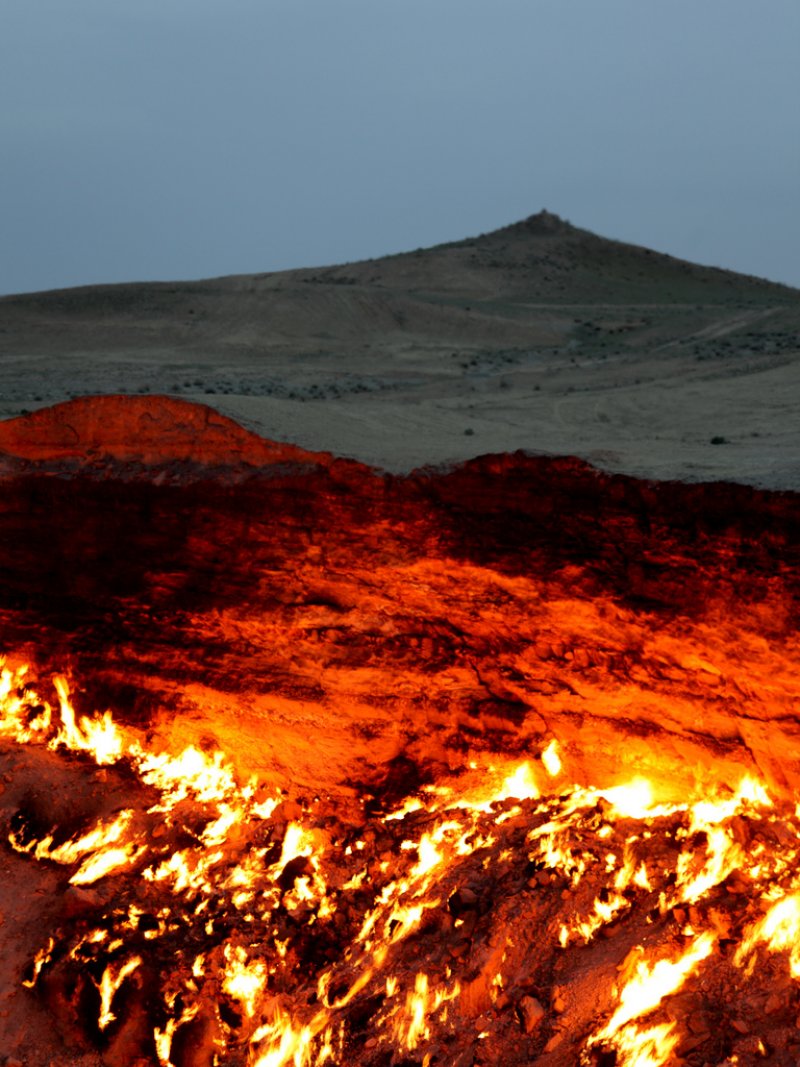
{"points": [[539, 336]]}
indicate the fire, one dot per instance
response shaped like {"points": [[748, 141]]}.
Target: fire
{"points": [[651, 983], [106, 862], [412, 1029], [520, 785], [429, 856], [192, 773], [297, 842], [724, 855], [41, 958], [244, 979], [652, 1047], [96, 850], [411, 1020], [551, 759], [112, 980], [99, 737], [290, 933], [163, 1038], [649, 986], [95, 840], [778, 930], [633, 800], [22, 717], [283, 1044]]}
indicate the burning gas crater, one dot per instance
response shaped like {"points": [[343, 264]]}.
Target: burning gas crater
{"points": [[503, 916]]}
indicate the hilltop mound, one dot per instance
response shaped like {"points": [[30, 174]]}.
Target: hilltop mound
{"points": [[544, 258]]}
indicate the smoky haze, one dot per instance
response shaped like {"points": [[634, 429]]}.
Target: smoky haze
{"points": [[189, 138]]}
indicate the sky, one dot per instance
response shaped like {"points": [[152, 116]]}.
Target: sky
{"points": [[177, 139]]}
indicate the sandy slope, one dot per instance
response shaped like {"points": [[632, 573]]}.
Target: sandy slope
{"points": [[539, 336]]}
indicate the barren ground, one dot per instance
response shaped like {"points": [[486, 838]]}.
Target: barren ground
{"points": [[540, 337]]}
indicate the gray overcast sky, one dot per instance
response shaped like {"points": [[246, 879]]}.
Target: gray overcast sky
{"points": [[176, 139]]}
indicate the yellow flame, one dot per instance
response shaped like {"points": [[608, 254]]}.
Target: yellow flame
{"points": [[99, 737], [286, 1044], [109, 861], [779, 930], [39, 960], [244, 979], [217, 831], [646, 1048], [413, 1028], [429, 857], [98, 844], [520, 785], [551, 759], [410, 1024], [22, 716], [723, 854], [652, 983], [632, 801], [112, 979], [163, 1038], [191, 773], [408, 805], [297, 842]]}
